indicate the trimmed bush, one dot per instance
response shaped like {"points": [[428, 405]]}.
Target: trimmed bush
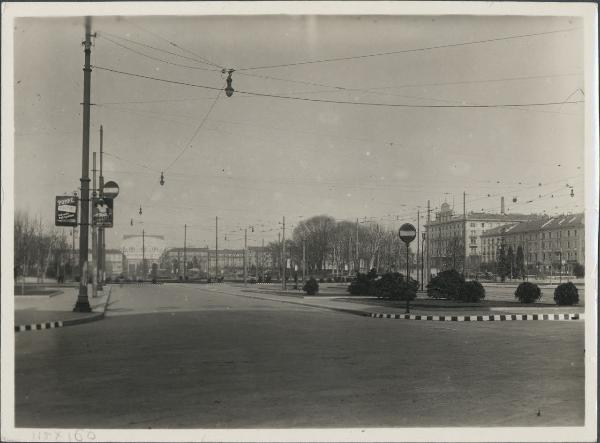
{"points": [[362, 285], [566, 294], [447, 284], [472, 291], [311, 287], [393, 286], [528, 292], [579, 270]]}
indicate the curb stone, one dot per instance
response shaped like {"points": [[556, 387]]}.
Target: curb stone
{"points": [[469, 318], [62, 323]]}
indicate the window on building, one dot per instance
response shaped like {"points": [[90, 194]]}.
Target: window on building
{"points": [[575, 233], [568, 233], [472, 225], [483, 225]]}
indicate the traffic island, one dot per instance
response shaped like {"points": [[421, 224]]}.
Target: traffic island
{"points": [[57, 312]]}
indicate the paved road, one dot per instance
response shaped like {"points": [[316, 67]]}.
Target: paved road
{"points": [[187, 356]]}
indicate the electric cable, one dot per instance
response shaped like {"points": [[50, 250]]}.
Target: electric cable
{"points": [[405, 51], [400, 105]]}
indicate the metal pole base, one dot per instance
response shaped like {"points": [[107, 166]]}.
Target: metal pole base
{"points": [[82, 305]]}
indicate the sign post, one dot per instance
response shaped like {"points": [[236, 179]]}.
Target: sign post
{"points": [[66, 211], [102, 213], [407, 234]]}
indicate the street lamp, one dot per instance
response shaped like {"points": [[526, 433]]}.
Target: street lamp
{"points": [[228, 89]]}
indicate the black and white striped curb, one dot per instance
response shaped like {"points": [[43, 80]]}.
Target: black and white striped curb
{"points": [[469, 318], [62, 323]]}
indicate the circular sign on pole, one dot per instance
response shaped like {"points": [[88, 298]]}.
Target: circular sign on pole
{"points": [[110, 189], [407, 233]]}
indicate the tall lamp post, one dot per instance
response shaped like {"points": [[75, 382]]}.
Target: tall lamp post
{"points": [[83, 304], [407, 234]]}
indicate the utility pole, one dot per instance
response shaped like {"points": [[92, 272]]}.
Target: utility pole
{"points": [[349, 253], [217, 248], [83, 304], [418, 237], [428, 244], [357, 259], [207, 263], [465, 246], [280, 259], [94, 264], [144, 255], [283, 255], [245, 257], [303, 260], [262, 259], [184, 251], [101, 246]]}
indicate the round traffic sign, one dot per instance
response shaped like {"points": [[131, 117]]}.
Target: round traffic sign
{"points": [[407, 233], [110, 189]]}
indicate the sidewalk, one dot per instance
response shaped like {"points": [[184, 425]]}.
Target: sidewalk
{"points": [[45, 312]]}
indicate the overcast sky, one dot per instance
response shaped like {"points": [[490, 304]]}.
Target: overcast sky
{"points": [[256, 159]]}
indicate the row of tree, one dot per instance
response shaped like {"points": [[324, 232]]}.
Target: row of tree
{"points": [[331, 245], [39, 251]]}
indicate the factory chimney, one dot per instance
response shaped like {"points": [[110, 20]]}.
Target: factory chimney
{"points": [[502, 205]]}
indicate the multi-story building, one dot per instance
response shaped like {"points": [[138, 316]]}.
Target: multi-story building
{"points": [[113, 263], [141, 252], [447, 234], [548, 244], [203, 261]]}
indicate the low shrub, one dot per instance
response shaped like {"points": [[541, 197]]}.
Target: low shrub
{"points": [[472, 291], [311, 287], [579, 270], [362, 285], [268, 279], [447, 284], [108, 279], [528, 292], [329, 280], [566, 294]]}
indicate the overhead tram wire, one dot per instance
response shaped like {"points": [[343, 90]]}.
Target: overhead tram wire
{"points": [[156, 58], [175, 45], [188, 144], [394, 105], [333, 87], [103, 34], [404, 51]]}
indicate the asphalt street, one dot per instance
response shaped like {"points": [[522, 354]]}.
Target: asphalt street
{"points": [[208, 356]]}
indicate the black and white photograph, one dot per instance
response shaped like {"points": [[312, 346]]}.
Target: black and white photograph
{"points": [[299, 221]]}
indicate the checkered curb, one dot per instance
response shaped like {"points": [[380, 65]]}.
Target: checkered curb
{"points": [[39, 326], [469, 318], [60, 324]]}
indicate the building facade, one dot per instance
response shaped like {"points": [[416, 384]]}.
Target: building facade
{"points": [[141, 252], [548, 244], [446, 232], [204, 262], [113, 263]]}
